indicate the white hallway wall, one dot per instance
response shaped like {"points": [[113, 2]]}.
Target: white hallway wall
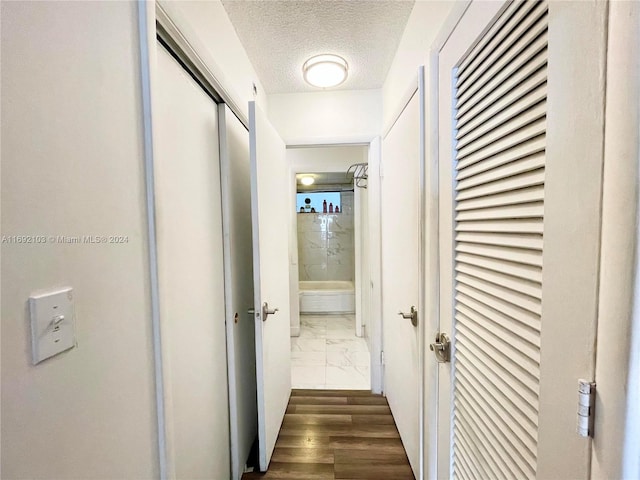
{"points": [[81, 151], [424, 24], [326, 117], [616, 446], [72, 165]]}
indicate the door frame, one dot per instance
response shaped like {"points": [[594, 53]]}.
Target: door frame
{"points": [[431, 237], [375, 331], [294, 271]]}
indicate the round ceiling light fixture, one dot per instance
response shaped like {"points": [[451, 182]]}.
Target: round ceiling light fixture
{"points": [[307, 181], [325, 71]]}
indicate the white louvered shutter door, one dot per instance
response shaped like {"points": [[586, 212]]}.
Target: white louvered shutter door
{"points": [[500, 122]]}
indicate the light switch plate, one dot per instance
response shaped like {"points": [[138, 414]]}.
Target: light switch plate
{"points": [[52, 323]]}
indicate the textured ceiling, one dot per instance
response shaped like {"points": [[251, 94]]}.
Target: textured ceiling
{"points": [[279, 36]]}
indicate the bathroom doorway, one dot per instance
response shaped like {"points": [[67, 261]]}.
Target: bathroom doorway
{"points": [[330, 350]]}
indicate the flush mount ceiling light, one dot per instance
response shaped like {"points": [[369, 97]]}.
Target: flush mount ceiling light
{"points": [[325, 71], [307, 180]]}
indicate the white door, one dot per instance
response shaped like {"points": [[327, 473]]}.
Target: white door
{"points": [[514, 169], [400, 274], [238, 247], [191, 274], [270, 214]]}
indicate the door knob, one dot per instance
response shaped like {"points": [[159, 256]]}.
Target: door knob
{"points": [[412, 315], [441, 348], [266, 311]]}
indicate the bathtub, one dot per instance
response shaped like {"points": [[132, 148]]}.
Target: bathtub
{"points": [[332, 296]]}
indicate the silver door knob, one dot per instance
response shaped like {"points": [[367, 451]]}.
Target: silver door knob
{"points": [[441, 348], [412, 315], [266, 311]]}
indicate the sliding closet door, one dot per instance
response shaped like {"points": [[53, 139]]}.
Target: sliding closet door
{"points": [[191, 274], [519, 236]]}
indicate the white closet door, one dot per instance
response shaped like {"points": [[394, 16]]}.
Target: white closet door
{"points": [[191, 274], [270, 204], [241, 353], [400, 273], [495, 269]]}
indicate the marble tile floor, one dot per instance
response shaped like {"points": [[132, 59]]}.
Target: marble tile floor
{"points": [[328, 355]]}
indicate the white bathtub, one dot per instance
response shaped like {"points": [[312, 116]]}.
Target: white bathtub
{"points": [[331, 296]]}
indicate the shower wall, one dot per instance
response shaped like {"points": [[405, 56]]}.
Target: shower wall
{"points": [[326, 243]]}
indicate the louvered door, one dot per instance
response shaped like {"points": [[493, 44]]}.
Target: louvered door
{"points": [[500, 94], [520, 97], [498, 89]]}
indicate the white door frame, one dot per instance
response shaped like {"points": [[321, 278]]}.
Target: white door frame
{"points": [[375, 331], [431, 237], [294, 273]]}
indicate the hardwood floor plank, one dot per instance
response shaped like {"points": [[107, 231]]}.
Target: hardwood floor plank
{"points": [[372, 420], [331, 393], [303, 455], [302, 441], [319, 400], [373, 456], [373, 472], [313, 419], [343, 409], [376, 431], [366, 400], [337, 434], [295, 471], [357, 443]]}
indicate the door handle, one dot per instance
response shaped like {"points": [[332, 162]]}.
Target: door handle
{"points": [[266, 311], [441, 348], [412, 315]]}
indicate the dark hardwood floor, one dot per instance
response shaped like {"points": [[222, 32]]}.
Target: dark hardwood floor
{"points": [[337, 434]]}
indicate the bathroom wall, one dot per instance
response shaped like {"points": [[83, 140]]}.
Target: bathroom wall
{"points": [[326, 243]]}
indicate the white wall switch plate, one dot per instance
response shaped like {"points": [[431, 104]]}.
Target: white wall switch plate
{"points": [[52, 323]]}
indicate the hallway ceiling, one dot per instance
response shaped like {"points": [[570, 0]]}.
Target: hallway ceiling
{"points": [[326, 178], [279, 36]]}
